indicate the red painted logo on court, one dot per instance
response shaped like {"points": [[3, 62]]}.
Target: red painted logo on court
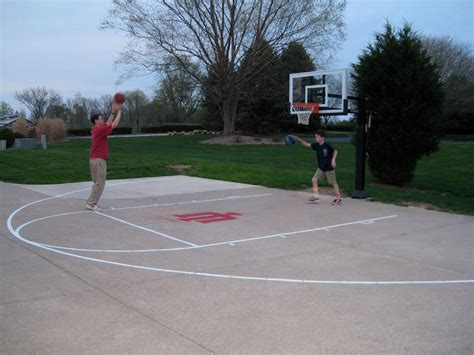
{"points": [[207, 217]]}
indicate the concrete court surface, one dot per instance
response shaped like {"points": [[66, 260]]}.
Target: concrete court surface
{"points": [[189, 265]]}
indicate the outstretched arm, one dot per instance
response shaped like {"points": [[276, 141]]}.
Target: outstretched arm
{"points": [[306, 144]]}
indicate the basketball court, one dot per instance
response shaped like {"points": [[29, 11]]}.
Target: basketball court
{"points": [[181, 264]]}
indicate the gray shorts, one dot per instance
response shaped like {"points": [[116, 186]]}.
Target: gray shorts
{"points": [[331, 175]]}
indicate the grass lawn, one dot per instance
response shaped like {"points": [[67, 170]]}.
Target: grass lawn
{"points": [[443, 181]]}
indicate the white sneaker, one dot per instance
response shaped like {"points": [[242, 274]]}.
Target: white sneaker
{"points": [[92, 207], [313, 199], [336, 202]]}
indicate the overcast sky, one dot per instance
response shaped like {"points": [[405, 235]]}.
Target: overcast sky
{"points": [[57, 44]]}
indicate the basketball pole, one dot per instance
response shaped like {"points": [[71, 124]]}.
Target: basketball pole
{"points": [[361, 143]]}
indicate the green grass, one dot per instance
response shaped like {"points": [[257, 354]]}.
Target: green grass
{"points": [[443, 181]]}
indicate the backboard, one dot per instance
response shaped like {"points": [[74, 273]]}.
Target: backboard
{"points": [[329, 88]]}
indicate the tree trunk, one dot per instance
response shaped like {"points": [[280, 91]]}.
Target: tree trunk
{"points": [[229, 112]]}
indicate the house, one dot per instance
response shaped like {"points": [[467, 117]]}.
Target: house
{"points": [[7, 121]]}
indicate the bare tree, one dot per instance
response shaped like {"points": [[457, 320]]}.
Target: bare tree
{"points": [[80, 109], [218, 34], [179, 94], [134, 105], [456, 69], [5, 109], [38, 101], [454, 60]]}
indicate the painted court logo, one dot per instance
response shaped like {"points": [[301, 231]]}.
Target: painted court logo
{"points": [[207, 217]]}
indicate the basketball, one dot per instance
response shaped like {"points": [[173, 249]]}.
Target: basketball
{"points": [[119, 98], [290, 140]]}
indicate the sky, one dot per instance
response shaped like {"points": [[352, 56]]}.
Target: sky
{"points": [[57, 44]]}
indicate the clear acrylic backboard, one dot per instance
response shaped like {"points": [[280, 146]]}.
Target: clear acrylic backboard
{"points": [[328, 88]]}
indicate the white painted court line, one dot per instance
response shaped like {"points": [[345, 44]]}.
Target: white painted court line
{"points": [[235, 197], [194, 246], [147, 229], [187, 202], [236, 277], [250, 278]]}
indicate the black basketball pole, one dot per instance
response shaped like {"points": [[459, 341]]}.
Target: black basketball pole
{"points": [[361, 143]]}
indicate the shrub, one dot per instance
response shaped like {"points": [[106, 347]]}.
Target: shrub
{"points": [[171, 127], [9, 136], [54, 129], [78, 132], [57, 130], [406, 121], [122, 130], [20, 126]]}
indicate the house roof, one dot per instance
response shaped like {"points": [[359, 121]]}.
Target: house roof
{"points": [[9, 119]]}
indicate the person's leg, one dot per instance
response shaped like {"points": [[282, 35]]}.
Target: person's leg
{"points": [[331, 175], [99, 173], [318, 175]]}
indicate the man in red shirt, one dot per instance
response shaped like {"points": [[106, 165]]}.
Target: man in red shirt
{"points": [[100, 152]]}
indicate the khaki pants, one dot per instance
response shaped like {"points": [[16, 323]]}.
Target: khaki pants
{"points": [[98, 173]]}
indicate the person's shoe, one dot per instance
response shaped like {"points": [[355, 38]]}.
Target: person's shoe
{"points": [[336, 202], [313, 199], [92, 207]]}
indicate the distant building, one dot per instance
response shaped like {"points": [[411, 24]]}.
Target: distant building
{"points": [[8, 121]]}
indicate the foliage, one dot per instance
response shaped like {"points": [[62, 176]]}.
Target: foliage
{"points": [[134, 106], [259, 93], [39, 101], [186, 127], [275, 166], [217, 36], [405, 96], [52, 128], [264, 106], [9, 136], [456, 65], [78, 132], [20, 126], [179, 93], [5, 109], [83, 132]]}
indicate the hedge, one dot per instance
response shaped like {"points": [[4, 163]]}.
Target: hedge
{"points": [[9, 136], [82, 132], [171, 128]]}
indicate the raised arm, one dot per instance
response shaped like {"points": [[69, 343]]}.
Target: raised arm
{"points": [[115, 115]]}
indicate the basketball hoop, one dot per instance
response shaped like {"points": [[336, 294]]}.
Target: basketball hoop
{"points": [[304, 110]]}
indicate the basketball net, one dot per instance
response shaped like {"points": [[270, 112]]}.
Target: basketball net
{"points": [[304, 110]]}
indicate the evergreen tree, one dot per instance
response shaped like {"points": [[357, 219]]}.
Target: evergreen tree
{"points": [[294, 59], [405, 96], [256, 109], [264, 107]]}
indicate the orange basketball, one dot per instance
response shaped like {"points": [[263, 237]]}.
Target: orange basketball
{"points": [[119, 98]]}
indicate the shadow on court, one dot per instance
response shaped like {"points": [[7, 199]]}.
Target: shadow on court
{"points": [[189, 265]]}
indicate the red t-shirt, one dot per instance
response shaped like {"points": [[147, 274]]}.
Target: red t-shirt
{"points": [[100, 145]]}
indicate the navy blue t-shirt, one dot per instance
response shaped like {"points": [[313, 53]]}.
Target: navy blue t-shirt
{"points": [[324, 154]]}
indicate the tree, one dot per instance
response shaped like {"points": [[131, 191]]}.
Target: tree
{"points": [[134, 105], [456, 66], [259, 94], [294, 59], [80, 108], [404, 94], [179, 93], [264, 107], [5, 109], [38, 101], [217, 34]]}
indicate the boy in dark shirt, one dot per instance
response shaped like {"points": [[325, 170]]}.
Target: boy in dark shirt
{"points": [[326, 157]]}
